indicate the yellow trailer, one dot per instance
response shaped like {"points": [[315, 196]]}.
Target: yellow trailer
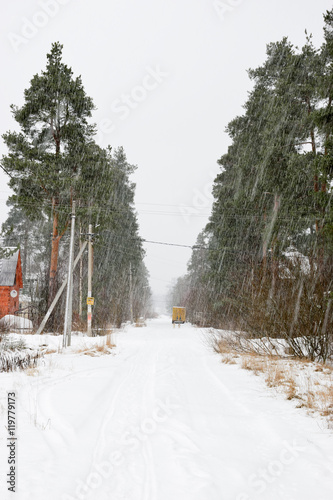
{"points": [[178, 315]]}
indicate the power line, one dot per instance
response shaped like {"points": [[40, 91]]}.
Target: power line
{"points": [[67, 207], [167, 244], [224, 215], [164, 204]]}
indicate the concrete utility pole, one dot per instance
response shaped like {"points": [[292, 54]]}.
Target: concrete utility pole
{"points": [[80, 278], [69, 296], [90, 272]]}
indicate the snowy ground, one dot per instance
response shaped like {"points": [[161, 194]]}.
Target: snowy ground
{"points": [[159, 418], [308, 383]]}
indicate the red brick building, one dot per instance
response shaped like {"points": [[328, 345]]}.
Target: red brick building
{"points": [[10, 283]]}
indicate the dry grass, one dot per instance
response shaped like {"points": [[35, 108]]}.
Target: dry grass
{"points": [[229, 356], [32, 372], [254, 363], [103, 347], [325, 400], [222, 346], [311, 384], [291, 389], [275, 375], [108, 341], [51, 351], [229, 359]]}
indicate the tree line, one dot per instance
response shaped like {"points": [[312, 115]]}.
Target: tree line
{"points": [[264, 262], [52, 161]]}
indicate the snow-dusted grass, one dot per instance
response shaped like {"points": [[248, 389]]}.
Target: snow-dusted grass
{"points": [[15, 355], [18, 360], [104, 345], [48, 341], [308, 383], [25, 351]]}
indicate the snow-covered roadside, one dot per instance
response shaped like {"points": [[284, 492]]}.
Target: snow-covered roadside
{"points": [[307, 383], [19, 350], [162, 418], [54, 365], [49, 342]]}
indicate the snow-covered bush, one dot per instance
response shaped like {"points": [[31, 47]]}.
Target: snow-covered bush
{"points": [[14, 354], [295, 307]]}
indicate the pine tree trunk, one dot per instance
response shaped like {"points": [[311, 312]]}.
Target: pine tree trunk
{"points": [[54, 256]]}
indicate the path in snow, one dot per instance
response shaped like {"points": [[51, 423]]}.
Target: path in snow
{"points": [[164, 419]]}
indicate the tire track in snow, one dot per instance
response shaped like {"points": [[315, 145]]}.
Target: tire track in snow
{"points": [[183, 432], [99, 447], [149, 491], [183, 449], [123, 397], [139, 477], [36, 390]]}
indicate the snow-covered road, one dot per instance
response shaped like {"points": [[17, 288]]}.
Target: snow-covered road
{"points": [[162, 419]]}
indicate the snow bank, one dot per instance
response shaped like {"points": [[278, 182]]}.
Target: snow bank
{"points": [[16, 322]]}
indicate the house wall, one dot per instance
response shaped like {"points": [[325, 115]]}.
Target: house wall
{"points": [[8, 304]]}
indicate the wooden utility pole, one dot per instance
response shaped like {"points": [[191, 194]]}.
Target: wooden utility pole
{"points": [[80, 278]]}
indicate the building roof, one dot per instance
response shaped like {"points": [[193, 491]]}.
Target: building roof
{"points": [[8, 268]]}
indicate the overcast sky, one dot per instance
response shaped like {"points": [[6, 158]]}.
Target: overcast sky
{"points": [[166, 77]]}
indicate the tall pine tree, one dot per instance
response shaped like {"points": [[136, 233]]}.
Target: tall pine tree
{"points": [[41, 164]]}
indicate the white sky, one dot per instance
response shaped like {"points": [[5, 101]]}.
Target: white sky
{"points": [[173, 126]]}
